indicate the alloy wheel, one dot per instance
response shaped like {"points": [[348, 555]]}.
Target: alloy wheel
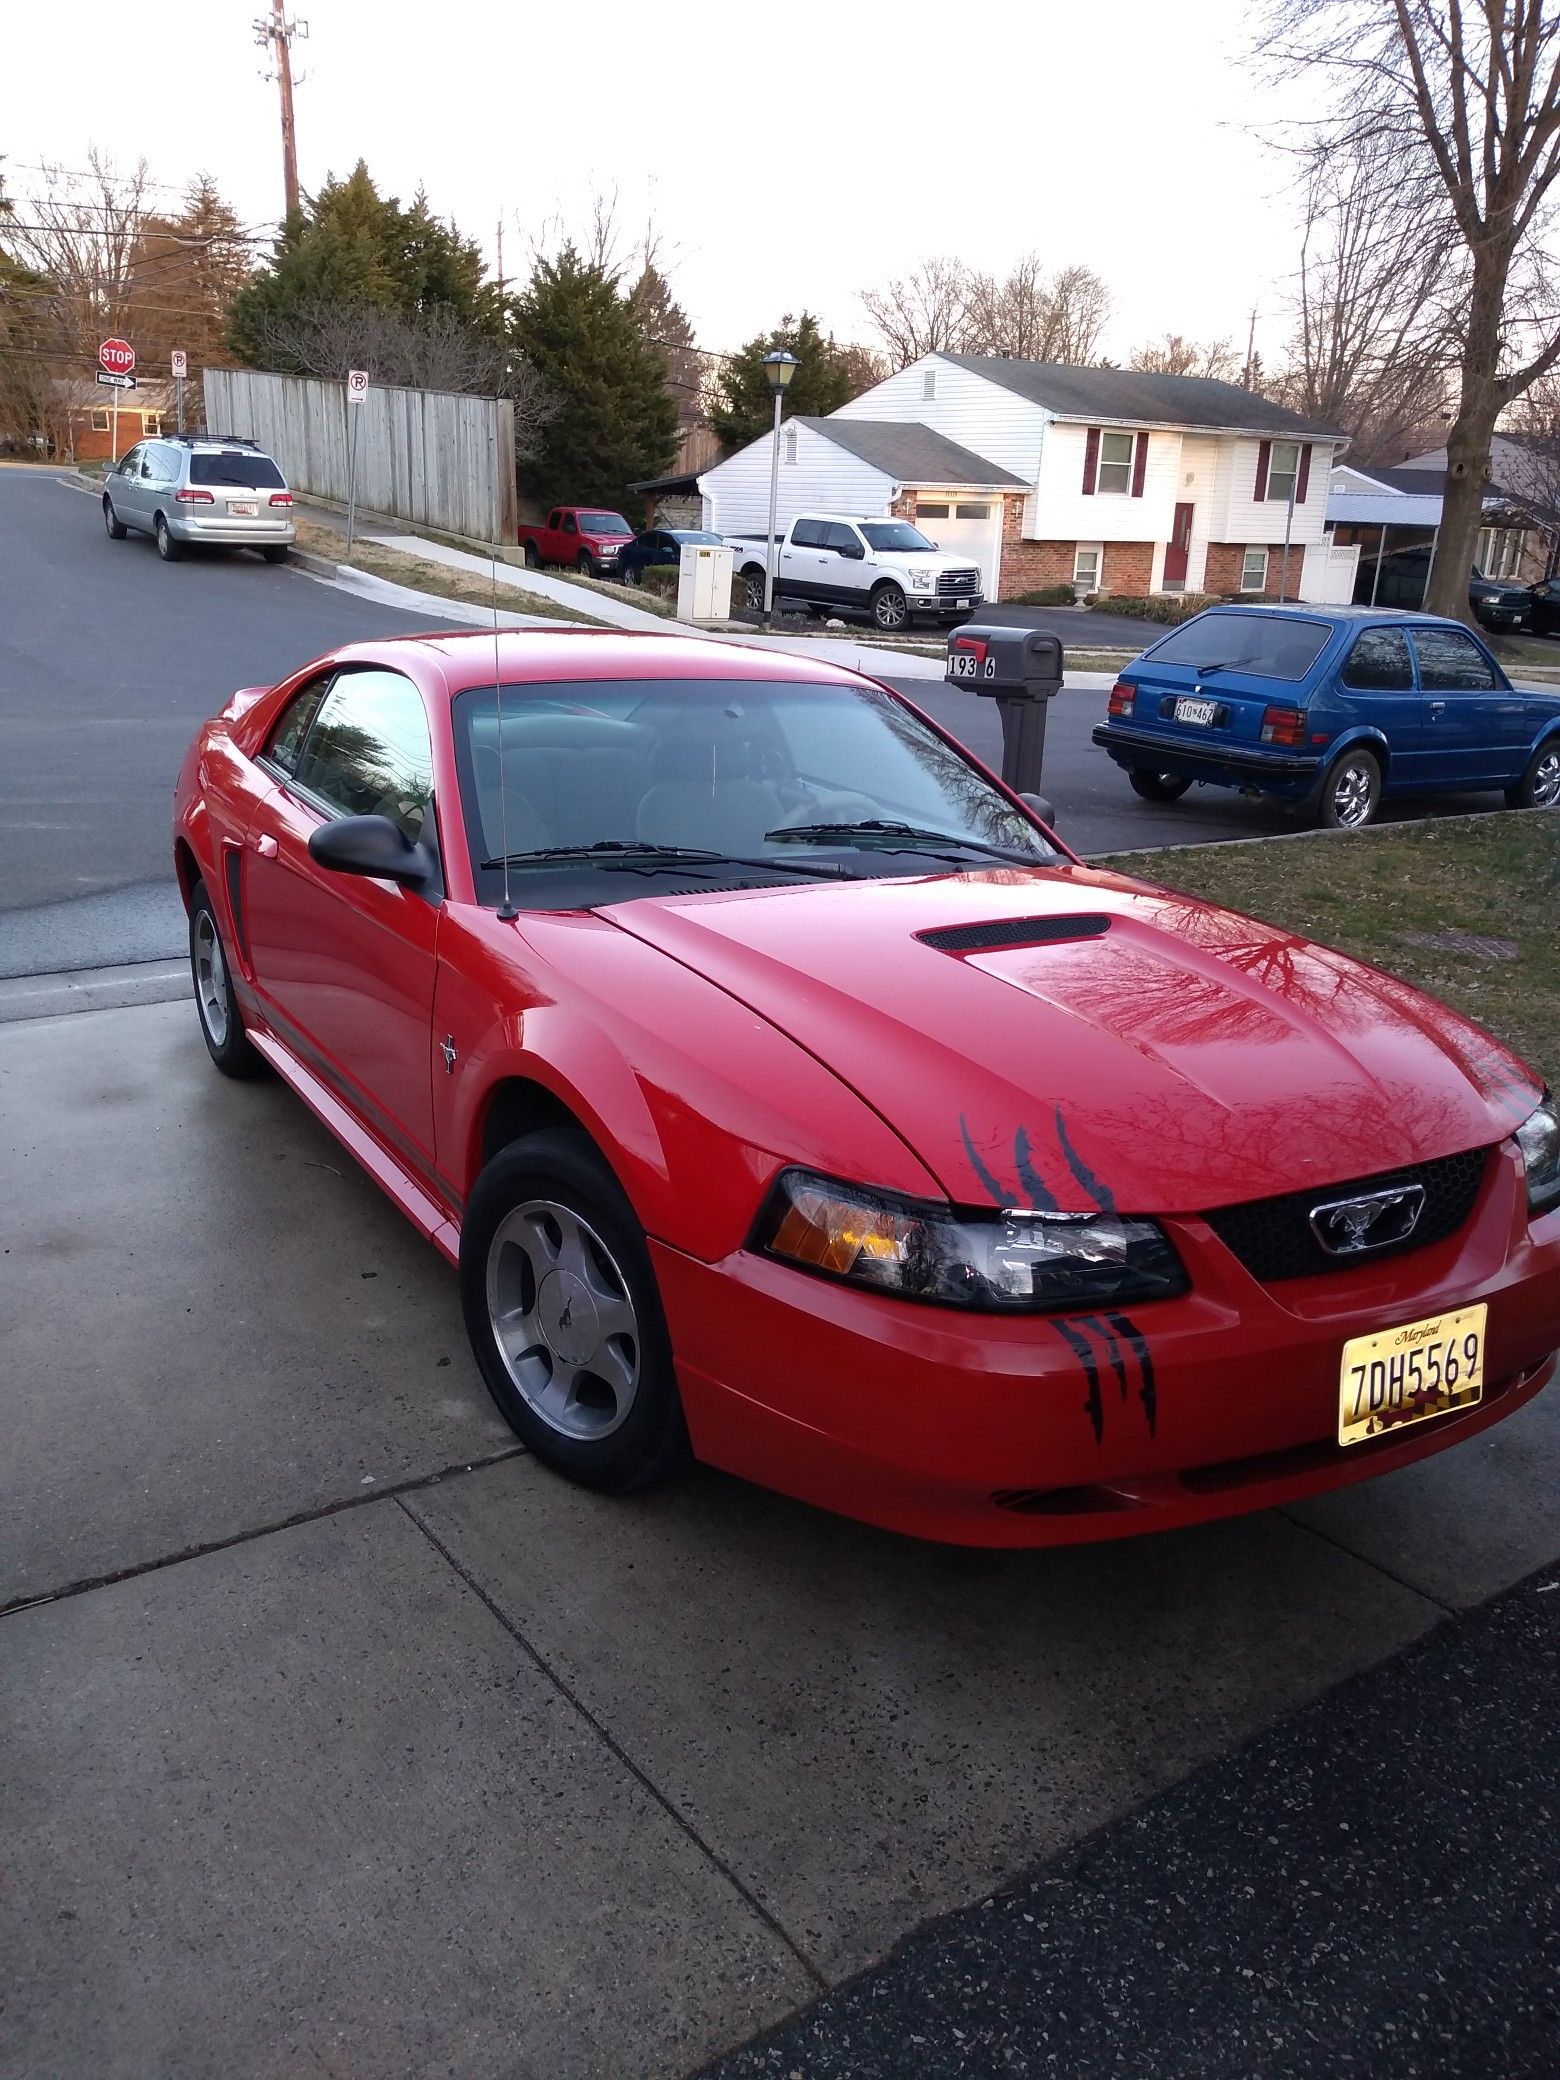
{"points": [[563, 1320], [211, 979], [1546, 781], [889, 608], [1354, 796]]}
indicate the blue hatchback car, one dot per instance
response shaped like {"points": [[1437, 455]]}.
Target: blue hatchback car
{"points": [[1330, 708]]}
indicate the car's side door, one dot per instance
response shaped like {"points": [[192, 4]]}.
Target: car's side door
{"points": [[800, 562], [126, 490], [1474, 733], [1376, 690], [345, 965], [850, 573]]}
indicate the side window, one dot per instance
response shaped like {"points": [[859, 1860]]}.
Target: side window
{"points": [[836, 535], [1450, 662], [807, 534], [131, 465], [555, 518], [570, 524], [1379, 663], [287, 738], [369, 753]]}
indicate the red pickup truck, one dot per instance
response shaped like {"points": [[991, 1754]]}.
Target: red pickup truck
{"points": [[584, 536]]}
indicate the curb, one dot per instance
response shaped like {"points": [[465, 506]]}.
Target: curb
{"points": [[92, 989]]}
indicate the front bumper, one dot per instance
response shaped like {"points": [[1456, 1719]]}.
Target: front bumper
{"points": [[1029, 1431], [1227, 765]]}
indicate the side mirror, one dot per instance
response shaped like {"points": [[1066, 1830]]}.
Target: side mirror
{"points": [[853, 552], [373, 846], [1037, 802]]}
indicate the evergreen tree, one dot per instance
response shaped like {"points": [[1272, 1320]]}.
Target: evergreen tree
{"points": [[614, 421], [743, 404], [351, 247]]}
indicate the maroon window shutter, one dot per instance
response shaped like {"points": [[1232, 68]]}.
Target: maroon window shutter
{"points": [[1139, 464], [1091, 460], [1264, 457], [1305, 474]]}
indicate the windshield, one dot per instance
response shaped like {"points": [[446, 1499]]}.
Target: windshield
{"points": [[251, 472], [692, 534], [604, 523], [733, 769], [1268, 646], [894, 534]]}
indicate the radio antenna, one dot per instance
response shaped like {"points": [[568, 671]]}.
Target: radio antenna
{"points": [[507, 911]]}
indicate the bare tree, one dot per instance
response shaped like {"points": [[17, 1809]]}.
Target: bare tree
{"points": [[1175, 356], [1080, 305], [1530, 460], [435, 350], [83, 233], [1468, 91], [924, 313]]}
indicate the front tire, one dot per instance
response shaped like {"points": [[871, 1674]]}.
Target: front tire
{"points": [[564, 1316], [890, 609], [167, 548], [117, 529], [1351, 792], [1156, 787], [1539, 787], [584, 565], [221, 1022]]}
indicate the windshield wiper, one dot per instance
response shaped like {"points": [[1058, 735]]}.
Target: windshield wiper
{"points": [[1219, 665], [635, 858], [904, 837]]}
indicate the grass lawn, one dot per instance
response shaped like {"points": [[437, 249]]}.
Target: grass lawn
{"points": [[440, 579], [1377, 894]]}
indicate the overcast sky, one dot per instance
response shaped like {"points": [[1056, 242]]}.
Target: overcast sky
{"points": [[786, 169]]}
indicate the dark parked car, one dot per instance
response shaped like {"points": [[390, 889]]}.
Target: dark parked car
{"points": [[1330, 708], [1405, 575], [1544, 607], [659, 548]]}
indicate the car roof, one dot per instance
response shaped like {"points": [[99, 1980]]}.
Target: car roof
{"points": [[1340, 616], [544, 655]]}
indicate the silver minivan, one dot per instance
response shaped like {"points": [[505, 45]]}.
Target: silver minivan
{"points": [[200, 488]]}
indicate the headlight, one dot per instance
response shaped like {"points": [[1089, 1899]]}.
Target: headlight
{"points": [[1538, 1137], [1002, 1263], [922, 581]]}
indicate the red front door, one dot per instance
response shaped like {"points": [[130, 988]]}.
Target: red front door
{"points": [[1178, 547]]}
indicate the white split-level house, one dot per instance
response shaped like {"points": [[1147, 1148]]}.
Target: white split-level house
{"points": [[1106, 479]]}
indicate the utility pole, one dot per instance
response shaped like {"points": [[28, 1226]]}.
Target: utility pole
{"points": [[1251, 342], [274, 33], [501, 256]]}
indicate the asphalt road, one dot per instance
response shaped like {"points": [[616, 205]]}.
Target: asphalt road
{"points": [[108, 660]]}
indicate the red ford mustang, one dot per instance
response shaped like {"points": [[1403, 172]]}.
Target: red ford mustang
{"points": [[785, 1093]]}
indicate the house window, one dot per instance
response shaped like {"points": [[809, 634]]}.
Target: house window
{"points": [[972, 512], [1253, 571], [928, 382], [925, 512], [1499, 551], [1115, 469], [100, 422], [1283, 472], [1087, 558], [151, 422]]}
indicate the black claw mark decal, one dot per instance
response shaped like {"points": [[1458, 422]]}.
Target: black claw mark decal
{"points": [[1041, 1197], [993, 1188], [1100, 1193], [1078, 1343], [1148, 1393], [1112, 1330]]}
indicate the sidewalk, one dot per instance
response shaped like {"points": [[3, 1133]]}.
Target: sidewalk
{"points": [[340, 1735]]}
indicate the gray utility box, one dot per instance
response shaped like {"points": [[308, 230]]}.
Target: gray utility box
{"points": [[1021, 669]]}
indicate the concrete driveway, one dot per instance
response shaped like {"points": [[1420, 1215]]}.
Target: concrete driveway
{"points": [[341, 1737]]}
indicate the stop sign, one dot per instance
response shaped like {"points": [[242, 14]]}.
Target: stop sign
{"points": [[117, 356]]}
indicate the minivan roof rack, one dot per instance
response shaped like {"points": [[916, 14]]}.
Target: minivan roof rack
{"points": [[212, 440]]}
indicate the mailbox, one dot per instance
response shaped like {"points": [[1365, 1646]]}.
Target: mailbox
{"points": [[1021, 669]]}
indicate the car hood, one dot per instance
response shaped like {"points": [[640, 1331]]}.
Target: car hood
{"points": [[925, 559], [1069, 1039]]}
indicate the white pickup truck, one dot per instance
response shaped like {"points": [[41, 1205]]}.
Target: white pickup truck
{"points": [[833, 564]]}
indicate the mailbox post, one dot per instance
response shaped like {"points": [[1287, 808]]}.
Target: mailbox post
{"points": [[1021, 669]]}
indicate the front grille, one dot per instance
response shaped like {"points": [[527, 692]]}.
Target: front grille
{"points": [[1014, 931], [962, 583], [1273, 1238]]}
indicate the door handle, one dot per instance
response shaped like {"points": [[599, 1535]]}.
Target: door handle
{"points": [[265, 845], [1438, 707]]}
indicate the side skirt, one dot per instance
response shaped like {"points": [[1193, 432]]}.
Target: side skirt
{"points": [[394, 1180]]}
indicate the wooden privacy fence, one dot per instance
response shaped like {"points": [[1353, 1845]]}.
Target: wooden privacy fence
{"points": [[426, 456]]}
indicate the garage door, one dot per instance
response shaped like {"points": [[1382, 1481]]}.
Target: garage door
{"points": [[969, 527]]}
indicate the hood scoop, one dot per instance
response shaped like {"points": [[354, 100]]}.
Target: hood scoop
{"points": [[1014, 931]]}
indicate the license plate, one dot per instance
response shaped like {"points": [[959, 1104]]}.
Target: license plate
{"points": [[1411, 1373], [963, 664], [1201, 712], [243, 508], [961, 603]]}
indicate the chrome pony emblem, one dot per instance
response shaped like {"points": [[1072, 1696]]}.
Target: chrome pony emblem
{"points": [[1350, 1227]]}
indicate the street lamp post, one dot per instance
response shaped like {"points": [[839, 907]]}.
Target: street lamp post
{"points": [[779, 367]]}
